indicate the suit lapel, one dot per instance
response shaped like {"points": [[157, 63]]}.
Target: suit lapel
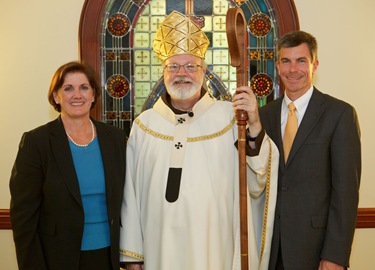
{"points": [[61, 151], [312, 115]]}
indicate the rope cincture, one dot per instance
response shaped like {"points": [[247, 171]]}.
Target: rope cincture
{"points": [[265, 214]]}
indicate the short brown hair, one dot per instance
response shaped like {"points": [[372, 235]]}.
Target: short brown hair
{"points": [[71, 67], [296, 38]]}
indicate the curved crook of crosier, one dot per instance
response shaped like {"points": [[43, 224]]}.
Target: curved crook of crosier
{"points": [[236, 35]]}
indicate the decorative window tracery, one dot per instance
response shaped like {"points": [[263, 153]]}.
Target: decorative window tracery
{"points": [[131, 74]]}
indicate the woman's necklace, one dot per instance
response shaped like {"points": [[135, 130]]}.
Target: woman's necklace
{"points": [[83, 145]]}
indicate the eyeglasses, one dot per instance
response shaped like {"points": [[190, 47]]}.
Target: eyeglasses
{"points": [[189, 68]]}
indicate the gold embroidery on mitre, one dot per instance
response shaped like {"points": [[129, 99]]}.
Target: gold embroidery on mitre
{"points": [[179, 35]]}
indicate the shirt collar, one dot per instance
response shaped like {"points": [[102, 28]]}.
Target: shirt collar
{"points": [[300, 103]]}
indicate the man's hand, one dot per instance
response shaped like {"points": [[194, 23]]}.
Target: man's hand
{"points": [[327, 265], [245, 99]]}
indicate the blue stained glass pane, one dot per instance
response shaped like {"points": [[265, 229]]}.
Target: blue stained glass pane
{"points": [[178, 5], [262, 6], [270, 38], [203, 8], [116, 5], [126, 101], [132, 12], [270, 68], [253, 41], [246, 12]]}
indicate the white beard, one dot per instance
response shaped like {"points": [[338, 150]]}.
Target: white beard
{"points": [[182, 92]]}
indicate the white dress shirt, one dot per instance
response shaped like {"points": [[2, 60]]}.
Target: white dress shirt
{"points": [[301, 106]]}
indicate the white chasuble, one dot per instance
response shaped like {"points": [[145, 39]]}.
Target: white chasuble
{"points": [[181, 206]]}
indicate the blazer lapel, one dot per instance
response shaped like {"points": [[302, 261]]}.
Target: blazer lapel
{"points": [[61, 150], [106, 144], [311, 118]]}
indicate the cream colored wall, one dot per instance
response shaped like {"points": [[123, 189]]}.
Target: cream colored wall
{"points": [[38, 36], [346, 68]]}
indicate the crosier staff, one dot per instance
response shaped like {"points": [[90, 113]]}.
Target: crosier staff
{"points": [[236, 35]]}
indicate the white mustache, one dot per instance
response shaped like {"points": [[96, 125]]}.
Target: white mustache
{"points": [[182, 80]]}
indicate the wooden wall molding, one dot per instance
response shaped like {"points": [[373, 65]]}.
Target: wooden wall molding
{"points": [[4, 219], [365, 219]]}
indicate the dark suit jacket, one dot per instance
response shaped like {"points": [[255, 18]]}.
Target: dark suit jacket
{"points": [[318, 187], [46, 209]]}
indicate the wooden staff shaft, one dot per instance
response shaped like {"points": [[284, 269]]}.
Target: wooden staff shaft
{"points": [[236, 34]]}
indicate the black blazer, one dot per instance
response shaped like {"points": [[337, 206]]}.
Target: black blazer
{"points": [[318, 187], [46, 210]]}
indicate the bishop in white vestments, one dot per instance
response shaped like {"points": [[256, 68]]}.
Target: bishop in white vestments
{"points": [[181, 198]]}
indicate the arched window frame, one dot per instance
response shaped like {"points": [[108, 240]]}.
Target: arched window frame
{"points": [[91, 24]]}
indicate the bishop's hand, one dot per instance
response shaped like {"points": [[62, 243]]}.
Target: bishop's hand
{"points": [[245, 99]]}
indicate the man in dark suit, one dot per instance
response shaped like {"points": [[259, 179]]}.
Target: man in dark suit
{"points": [[319, 180]]}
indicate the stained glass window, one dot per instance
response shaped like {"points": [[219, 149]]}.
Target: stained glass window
{"points": [[132, 74]]}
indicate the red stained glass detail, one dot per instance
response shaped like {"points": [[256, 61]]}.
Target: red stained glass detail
{"points": [[261, 84], [117, 86], [260, 24], [118, 25]]}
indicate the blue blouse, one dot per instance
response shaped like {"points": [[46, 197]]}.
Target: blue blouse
{"points": [[90, 172]]}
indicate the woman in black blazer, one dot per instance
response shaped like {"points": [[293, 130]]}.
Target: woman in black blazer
{"points": [[67, 182]]}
